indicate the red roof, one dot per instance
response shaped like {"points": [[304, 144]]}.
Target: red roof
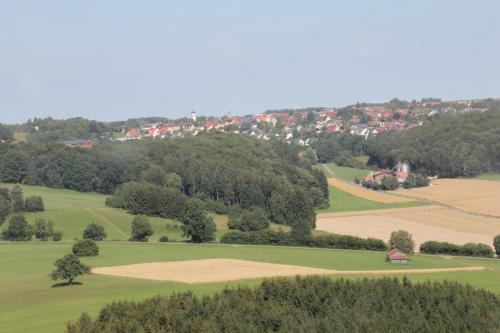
{"points": [[396, 254]]}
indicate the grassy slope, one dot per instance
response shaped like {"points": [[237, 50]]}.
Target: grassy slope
{"points": [[341, 201], [345, 173], [30, 303], [72, 211], [489, 176]]}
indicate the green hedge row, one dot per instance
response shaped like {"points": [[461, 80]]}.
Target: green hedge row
{"points": [[332, 241]]}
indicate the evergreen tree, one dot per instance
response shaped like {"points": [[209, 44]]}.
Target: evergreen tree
{"points": [[196, 224], [17, 199]]}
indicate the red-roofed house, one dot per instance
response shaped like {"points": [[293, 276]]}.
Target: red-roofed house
{"points": [[132, 133], [396, 256]]}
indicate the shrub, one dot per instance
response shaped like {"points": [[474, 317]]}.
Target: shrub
{"points": [[415, 180], [251, 220], [18, 229], [34, 204], [141, 229], [43, 230], [469, 249], [86, 248], [163, 239], [217, 207], [390, 184], [95, 232], [57, 236]]}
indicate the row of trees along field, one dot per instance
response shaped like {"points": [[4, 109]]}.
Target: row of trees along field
{"points": [[311, 304], [229, 169]]}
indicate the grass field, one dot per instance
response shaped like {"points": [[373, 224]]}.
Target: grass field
{"points": [[341, 201], [489, 176], [31, 304], [345, 173], [72, 211]]}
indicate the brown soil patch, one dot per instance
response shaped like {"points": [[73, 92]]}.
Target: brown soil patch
{"points": [[364, 193], [207, 270], [425, 223], [220, 270], [469, 194]]}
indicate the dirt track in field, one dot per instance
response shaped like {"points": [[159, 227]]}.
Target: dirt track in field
{"points": [[366, 193], [220, 270]]}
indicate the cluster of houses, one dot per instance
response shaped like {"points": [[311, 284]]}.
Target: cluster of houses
{"points": [[400, 172], [300, 126]]}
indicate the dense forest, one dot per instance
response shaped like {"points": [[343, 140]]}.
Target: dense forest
{"points": [[452, 145], [233, 170], [312, 304]]}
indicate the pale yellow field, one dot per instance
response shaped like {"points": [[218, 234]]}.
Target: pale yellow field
{"points": [[480, 196], [364, 193], [425, 223], [219, 270]]}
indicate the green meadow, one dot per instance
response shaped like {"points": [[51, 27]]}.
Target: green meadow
{"points": [[345, 173], [341, 201], [30, 303], [72, 211], [489, 176]]}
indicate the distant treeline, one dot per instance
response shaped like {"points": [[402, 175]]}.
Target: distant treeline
{"points": [[469, 249], [312, 304], [450, 146], [227, 168]]}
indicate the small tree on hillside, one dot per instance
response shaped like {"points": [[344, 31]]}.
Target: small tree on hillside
{"points": [[68, 268], [34, 204], [18, 229], [402, 240], [496, 244], [43, 230], [252, 220], [141, 229], [17, 199], [95, 232], [196, 224]]}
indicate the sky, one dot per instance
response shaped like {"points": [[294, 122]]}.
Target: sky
{"points": [[120, 59]]}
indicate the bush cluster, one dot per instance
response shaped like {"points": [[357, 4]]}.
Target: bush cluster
{"points": [[270, 237], [469, 249], [85, 248], [311, 304]]}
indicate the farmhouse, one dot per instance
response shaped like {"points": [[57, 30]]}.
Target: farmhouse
{"points": [[396, 256], [400, 172]]}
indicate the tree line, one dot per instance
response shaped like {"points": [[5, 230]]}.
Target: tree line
{"points": [[311, 304]]}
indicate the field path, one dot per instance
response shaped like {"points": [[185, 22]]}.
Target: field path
{"points": [[104, 219]]}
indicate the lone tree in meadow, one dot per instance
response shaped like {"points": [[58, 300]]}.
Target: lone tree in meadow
{"points": [[141, 229], [34, 204], [95, 232], [402, 240], [85, 248], [69, 268], [196, 224], [17, 199]]}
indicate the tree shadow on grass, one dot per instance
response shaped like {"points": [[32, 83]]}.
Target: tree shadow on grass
{"points": [[66, 284]]}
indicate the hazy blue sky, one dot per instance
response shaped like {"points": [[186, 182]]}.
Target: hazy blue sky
{"points": [[111, 60]]}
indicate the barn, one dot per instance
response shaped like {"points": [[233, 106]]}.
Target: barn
{"points": [[396, 256]]}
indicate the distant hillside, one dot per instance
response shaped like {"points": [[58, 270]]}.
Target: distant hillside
{"points": [[450, 146]]}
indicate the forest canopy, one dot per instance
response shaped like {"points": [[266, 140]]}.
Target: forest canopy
{"points": [[312, 304]]}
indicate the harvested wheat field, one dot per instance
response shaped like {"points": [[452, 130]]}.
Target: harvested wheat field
{"points": [[207, 270], [473, 195], [220, 270], [425, 223], [366, 193]]}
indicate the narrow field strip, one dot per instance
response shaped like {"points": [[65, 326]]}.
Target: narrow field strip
{"points": [[220, 270]]}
